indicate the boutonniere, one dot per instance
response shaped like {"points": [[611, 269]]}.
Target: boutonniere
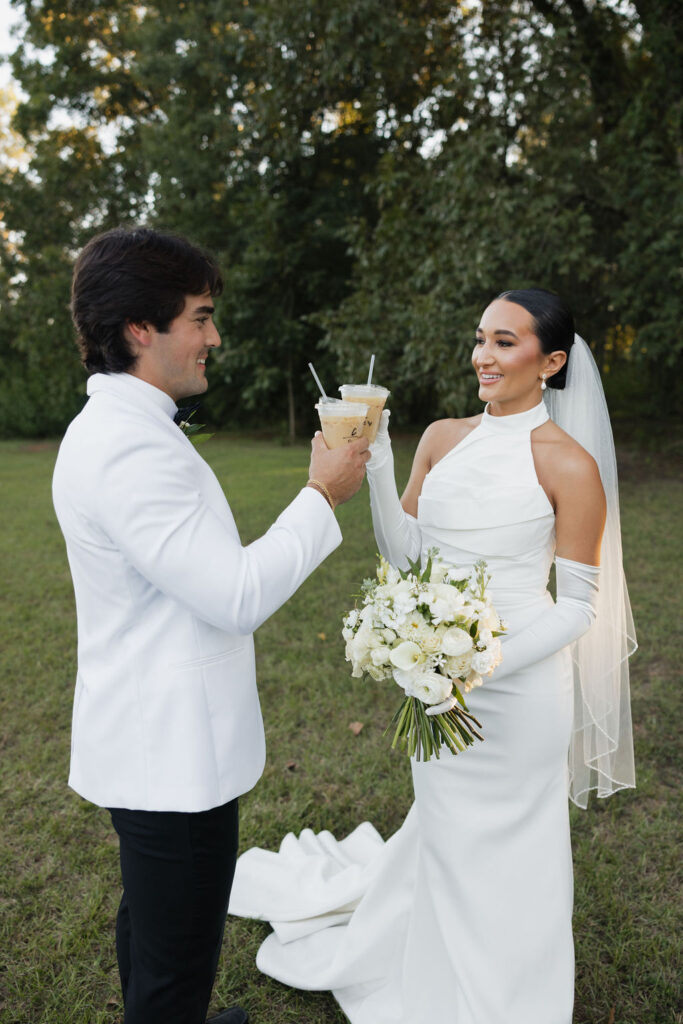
{"points": [[191, 430]]}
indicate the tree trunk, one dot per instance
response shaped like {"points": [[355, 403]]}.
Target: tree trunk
{"points": [[290, 402]]}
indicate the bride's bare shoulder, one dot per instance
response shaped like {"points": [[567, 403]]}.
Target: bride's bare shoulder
{"points": [[561, 462], [442, 435]]}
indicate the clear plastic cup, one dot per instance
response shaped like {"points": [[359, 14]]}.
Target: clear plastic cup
{"points": [[374, 396], [341, 421]]}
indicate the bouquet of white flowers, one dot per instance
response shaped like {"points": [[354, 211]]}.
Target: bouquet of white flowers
{"points": [[434, 632]]}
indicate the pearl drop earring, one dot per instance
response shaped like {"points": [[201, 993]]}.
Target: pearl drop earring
{"points": [[543, 383]]}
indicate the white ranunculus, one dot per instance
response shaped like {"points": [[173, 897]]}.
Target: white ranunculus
{"points": [[388, 636], [406, 656], [430, 687], [456, 641], [404, 679]]}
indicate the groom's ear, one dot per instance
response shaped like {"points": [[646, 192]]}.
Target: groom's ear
{"points": [[137, 334]]}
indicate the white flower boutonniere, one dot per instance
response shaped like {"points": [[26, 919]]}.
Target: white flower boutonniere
{"points": [[191, 430]]}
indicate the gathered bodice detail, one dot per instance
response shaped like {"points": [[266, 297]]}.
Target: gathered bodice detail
{"points": [[483, 500]]}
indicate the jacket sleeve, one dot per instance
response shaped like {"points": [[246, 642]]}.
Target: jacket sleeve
{"points": [[152, 509]]}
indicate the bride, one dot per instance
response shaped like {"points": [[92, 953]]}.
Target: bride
{"points": [[464, 915]]}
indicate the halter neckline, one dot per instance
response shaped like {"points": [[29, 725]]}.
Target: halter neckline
{"points": [[519, 421]]}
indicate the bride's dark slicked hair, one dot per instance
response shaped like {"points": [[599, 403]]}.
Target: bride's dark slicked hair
{"points": [[137, 275], [553, 324]]}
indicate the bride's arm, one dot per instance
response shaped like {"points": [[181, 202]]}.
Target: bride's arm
{"points": [[395, 521], [579, 499]]}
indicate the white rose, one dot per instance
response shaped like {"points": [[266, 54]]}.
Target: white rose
{"points": [[458, 667], [406, 656], [429, 641], [456, 642], [483, 662]]}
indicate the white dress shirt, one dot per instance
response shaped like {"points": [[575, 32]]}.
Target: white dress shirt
{"points": [[166, 713]]}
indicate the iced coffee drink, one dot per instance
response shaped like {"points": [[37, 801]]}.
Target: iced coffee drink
{"points": [[374, 397], [341, 421]]}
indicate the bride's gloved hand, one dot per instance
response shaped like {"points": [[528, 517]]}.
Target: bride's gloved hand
{"points": [[397, 533], [568, 619]]}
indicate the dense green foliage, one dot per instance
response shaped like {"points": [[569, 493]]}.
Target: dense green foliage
{"points": [[58, 854], [369, 174]]}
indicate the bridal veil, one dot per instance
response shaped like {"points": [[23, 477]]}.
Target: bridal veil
{"points": [[601, 748]]}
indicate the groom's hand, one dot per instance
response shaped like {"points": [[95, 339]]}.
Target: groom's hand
{"points": [[340, 470]]}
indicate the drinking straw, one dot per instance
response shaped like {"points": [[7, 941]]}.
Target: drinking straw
{"points": [[317, 380], [372, 366]]}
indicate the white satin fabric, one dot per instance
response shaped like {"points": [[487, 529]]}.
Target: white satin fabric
{"points": [[464, 915]]}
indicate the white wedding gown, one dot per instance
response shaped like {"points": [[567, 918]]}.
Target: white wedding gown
{"points": [[464, 915]]}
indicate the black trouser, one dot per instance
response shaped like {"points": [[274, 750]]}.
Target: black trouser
{"points": [[177, 870]]}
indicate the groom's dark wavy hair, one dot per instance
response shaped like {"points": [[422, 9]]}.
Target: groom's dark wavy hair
{"points": [[553, 324], [137, 275]]}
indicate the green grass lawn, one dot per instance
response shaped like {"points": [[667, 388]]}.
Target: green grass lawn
{"points": [[58, 854]]}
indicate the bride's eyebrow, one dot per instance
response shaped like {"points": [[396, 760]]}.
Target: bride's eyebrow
{"points": [[511, 334]]}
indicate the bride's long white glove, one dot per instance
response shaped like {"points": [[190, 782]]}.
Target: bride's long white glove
{"points": [[397, 533], [570, 617], [572, 614]]}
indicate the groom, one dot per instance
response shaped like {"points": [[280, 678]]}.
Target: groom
{"points": [[167, 729]]}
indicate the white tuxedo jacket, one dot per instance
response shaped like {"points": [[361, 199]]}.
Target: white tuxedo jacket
{"points": [[166, 714]]}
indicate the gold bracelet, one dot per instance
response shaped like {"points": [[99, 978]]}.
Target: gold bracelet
{"points": [[321, 487]]}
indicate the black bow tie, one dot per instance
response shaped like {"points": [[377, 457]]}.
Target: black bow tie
{"points": [[183, 415]]}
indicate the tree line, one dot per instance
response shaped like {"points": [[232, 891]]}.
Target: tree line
{"points": [[369, 176]]}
